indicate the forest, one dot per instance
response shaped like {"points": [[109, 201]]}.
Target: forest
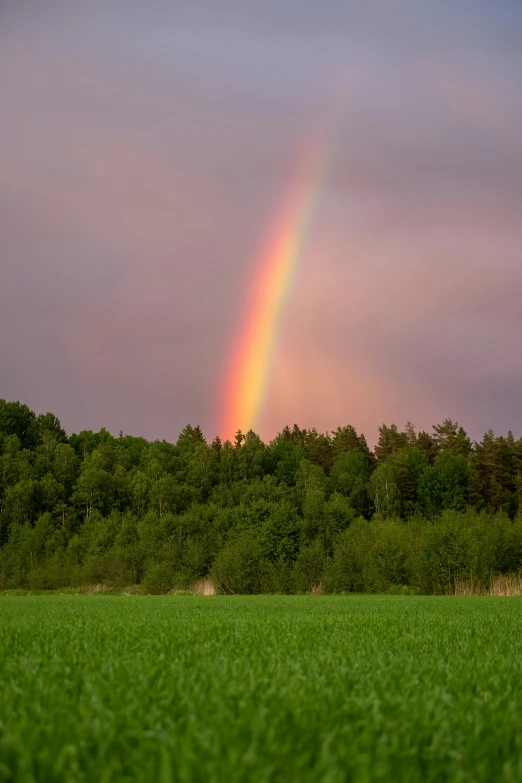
{"points": [[306, 512]]}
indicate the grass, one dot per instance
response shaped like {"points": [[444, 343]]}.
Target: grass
{"points": [[263, 688]]}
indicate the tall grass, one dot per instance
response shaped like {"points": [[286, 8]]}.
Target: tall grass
{"points": [[322, 689], [504, 585]]}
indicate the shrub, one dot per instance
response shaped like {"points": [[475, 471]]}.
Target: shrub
{"points": [[404, 590], [239, 567], [158, 578], [309, 567], [353, 567]]}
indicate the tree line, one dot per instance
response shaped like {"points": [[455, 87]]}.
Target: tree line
{"points": [[307, 510]]}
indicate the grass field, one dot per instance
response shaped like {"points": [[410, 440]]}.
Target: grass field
{"points": [[187, 688]]}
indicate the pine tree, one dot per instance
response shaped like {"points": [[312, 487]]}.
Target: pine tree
{"points": [[427, 446], [298, 436], [476, 483], [450, 437], [191, 434], [319, 448], [498, 459], [410, 434], [390, 441], [346, 439]]}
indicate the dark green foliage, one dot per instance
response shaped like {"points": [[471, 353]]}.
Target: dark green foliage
{"points": [[426, 445], [17, 419], [349, 475], [238, 567], [408, 465], [308, 510], [449, 437], [390, 441], [279, 534], [319, 448], [309, 568], [443, 485]]}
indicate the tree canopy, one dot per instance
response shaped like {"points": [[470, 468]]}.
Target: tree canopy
{"points": [[278, 516]]}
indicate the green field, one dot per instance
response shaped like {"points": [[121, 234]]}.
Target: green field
{"points": [[264, 688]]}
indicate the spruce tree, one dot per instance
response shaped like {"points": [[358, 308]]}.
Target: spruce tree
{"points": [[390, 441]]}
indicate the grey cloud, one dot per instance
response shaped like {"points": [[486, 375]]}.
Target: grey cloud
{"points": [[147, 147]]}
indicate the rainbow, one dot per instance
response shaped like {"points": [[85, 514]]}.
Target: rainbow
{"points": [[253, 352]]}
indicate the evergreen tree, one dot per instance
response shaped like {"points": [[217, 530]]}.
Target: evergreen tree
{"points": [[450, 437], [216, 444], [410, 434], [427, 446], [408, 465], [319, 448], [390, 441], [191, 435], [498, 459], [476, 483]]}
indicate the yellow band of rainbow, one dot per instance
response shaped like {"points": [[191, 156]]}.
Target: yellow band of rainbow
{"points": [[254, 350]]}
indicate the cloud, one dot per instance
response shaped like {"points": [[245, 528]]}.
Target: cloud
{"points": [[145, 150]]}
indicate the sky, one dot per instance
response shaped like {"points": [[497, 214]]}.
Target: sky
{"points": [[145, 152]]}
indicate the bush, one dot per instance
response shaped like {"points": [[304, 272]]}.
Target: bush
{"points": [[353, 567], [159, 578], [239, 567], [309, 567], [112, 568], [52, 575], [404, 590], [278, 577]]}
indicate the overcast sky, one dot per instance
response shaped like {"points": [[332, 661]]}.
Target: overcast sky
{"points": [[144, 150]]}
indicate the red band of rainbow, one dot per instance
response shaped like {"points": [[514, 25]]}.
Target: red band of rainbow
{"points": [[254, 350]]}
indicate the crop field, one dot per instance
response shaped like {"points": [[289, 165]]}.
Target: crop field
{"points": [[263, 688]]}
